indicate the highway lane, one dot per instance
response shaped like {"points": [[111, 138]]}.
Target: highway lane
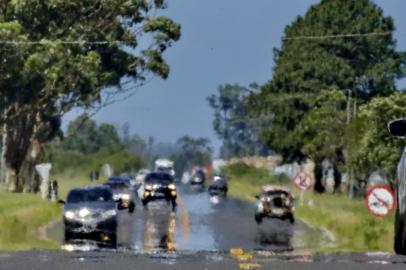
{"points": [[201, 235], [60, 260], [201, 224]]}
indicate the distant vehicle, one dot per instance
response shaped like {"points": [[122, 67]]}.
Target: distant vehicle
{"points": [[159, 186], [122, 193], [275, 202], [91, 213], [398, 129], [165, 166], [218, 186], [140, 177], [198, 178]]}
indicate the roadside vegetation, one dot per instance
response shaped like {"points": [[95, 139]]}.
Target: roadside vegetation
{"points": [[348, 219]]}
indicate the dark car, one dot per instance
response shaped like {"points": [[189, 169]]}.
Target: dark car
{"points": [[218, 186], [275, 202], [123, 194], [159, 186], [398, 129], [91, 213]]}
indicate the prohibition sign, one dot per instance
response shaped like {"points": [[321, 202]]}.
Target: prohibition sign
{"points": [[303, 181], [380, 200]]}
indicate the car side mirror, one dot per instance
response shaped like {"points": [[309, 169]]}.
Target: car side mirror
{"points": [[397, 128], [61, 202]]}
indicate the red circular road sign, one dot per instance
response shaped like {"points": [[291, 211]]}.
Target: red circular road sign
{"points": [[303, 181], [380, 200]]}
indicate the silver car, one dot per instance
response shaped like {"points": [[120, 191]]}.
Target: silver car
{"points": [[398, 129]]}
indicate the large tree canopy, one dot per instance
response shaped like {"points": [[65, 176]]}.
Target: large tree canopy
{"points": [[57, 54], [346, 45]]}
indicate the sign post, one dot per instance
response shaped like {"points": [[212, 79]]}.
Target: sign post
{"points": [[43, 172], [380, 200], [303, 182]]}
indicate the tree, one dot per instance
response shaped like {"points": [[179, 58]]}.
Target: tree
{"points": [[323, 131], [191, 152], [239, 133], [374, 148], [367, 65], [85, 136], [63, 54]]}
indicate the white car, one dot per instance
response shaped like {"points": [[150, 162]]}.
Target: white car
{"points": [[165, 166]]}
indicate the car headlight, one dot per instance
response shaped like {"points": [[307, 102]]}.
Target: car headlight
{"points": [[148, 187], [69, 214], [172, 186], [109, 213], [126, 197], [84, 212]]}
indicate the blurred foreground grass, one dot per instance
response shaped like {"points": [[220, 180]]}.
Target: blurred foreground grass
{"points": [[21, 216], [354, 228]]}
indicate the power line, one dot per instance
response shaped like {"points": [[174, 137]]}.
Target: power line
{"points": [[64, 42], [340, 36]]}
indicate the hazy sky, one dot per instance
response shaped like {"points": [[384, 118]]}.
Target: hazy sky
{"points": [[223, 41]]}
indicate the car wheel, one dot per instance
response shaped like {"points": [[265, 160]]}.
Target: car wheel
{"points": [[131, 207], [173, 205], [291, 218], [399, 245], [258, 218]]}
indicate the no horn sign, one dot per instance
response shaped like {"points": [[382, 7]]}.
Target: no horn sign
{"points": [[380, 200]]}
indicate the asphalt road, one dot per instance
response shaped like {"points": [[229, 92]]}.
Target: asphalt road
{"points": [[201, 235], [203, 224]]}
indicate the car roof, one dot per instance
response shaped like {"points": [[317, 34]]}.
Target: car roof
{"points": [[90, 188], [269, 188]]}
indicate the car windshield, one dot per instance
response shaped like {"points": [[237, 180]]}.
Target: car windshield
{"points": [[93, 195], [159, 178], [117, 185]]}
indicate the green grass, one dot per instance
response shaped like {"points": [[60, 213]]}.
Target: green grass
{"points": [[354, 228], [21, 215]]}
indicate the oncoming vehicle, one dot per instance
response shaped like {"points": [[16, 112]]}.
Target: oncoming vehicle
{"points": [[159, 186], [275, 202], [198, 178], [122, 193], [165, 166], [397, 128], [218, 186], [91, 213]]}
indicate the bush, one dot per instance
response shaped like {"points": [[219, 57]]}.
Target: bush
{"points": [[253, 175]]}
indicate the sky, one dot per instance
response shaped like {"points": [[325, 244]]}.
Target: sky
{"points": [[223, 41]]}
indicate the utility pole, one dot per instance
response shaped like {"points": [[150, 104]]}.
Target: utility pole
{"points": [[351, 113], [3, 148]]}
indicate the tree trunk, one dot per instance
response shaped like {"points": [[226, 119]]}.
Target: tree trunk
{"points": [[20, 135], [318, 175], [27, 173]]}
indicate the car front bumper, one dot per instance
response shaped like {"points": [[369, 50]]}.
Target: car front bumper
{"points": [[103, 226]]}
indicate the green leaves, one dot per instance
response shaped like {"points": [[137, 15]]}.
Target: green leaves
{"points": [[306, 94]]}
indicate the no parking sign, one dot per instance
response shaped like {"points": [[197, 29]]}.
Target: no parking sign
{"points": [[380, 200]]}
